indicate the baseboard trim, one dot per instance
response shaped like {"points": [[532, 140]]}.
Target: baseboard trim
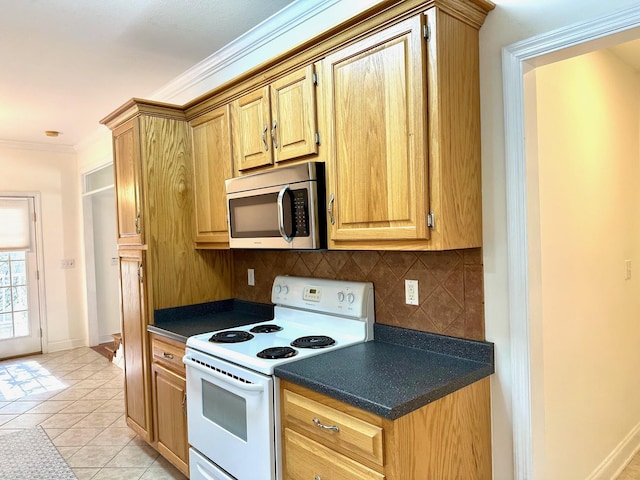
{"points": [[619, 458], [65, 345]]}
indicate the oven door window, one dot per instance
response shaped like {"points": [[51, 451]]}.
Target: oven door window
{"points": [[225, 409]]}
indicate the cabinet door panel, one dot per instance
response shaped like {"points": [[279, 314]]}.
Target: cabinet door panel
{"points": [[135, 343], [171, 417], [212, 166], [127, 168], [294, 115], [378, 167], [251, 123]]}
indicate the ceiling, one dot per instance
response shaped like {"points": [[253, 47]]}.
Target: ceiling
{"points": [[66, 64]]}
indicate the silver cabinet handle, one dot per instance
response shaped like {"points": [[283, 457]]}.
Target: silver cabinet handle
{"points": [[273, 134], [319, 424], [138, 228], [184, 403], [167, 355], [140, 277], [317, 477], [330, 209], [281, 227], [264, 137]]}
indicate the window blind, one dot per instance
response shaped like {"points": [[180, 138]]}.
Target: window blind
{"points": [[15, 224]]}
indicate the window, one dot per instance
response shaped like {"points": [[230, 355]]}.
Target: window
{"points": [[14, 305]]}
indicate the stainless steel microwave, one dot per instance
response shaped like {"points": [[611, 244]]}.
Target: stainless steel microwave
{"points": [[282, 208]]}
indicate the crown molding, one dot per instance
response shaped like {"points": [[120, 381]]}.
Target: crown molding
{"points": [[264, 33], [44, 147]]}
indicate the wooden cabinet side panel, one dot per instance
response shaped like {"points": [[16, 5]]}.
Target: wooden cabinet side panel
{"points": [[454, 122], [450, 438], [378, 167], [135, 344], [179, 274], [126, 149], [294, 116], [212, 165]]}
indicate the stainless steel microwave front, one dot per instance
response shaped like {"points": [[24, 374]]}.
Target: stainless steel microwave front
{"points": [[282, 208]]}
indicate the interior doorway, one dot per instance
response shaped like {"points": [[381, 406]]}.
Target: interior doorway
{"points": [[101, 255], [525, 304]]}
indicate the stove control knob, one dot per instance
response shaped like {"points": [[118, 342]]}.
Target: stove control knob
{"points": [[351, 297], [341, 296], [285, 289], [277, 289]]}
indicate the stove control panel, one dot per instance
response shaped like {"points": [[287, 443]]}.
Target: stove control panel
{"points": [[323, 295]]}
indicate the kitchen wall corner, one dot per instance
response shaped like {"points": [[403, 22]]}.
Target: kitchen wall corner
{"points": [[451, 289]]}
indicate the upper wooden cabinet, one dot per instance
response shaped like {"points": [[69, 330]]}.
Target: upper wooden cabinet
{"points": [[128, 183], [275, 123], [212, 165], [377, 163], [403, 137]]}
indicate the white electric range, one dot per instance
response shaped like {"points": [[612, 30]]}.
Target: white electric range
{"points": [[233, 413]]}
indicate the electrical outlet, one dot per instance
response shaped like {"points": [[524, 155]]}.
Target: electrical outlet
{"points": [[251, 278], [68, 263], [411, 292]]}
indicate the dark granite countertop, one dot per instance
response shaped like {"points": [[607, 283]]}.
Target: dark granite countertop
{"points": [[179, 323], [400, 371]]}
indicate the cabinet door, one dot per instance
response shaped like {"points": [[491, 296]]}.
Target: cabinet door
{"points": [[135, 343], [375, 99], [212, 165], [251, 122], [127, 168], [293, 114], [171, 416]]}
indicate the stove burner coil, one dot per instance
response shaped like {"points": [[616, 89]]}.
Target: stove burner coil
{"points": [[268, 328], [313, 341], [231, 336], [277, 352]]}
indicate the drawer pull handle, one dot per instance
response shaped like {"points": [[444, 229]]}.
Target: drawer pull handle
{"points": [[319, 424], [317, 477], [167, 355]]}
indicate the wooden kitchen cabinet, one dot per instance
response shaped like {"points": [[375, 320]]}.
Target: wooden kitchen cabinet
{"points": [[403, 161], [276, 122], [212, 165], [161, 269], [170, 401], [128, 184], [449, 438], [134, 340]]}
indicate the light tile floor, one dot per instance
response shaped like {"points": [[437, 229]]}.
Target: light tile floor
{"points": [[632, 472], [77, 397]]}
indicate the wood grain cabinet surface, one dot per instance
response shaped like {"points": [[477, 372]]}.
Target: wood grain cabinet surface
{"points": [[276, 122], [325, 438], [403, 160], [212, 165], [170, 401]]}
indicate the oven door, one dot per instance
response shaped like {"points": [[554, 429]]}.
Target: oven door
{"points": [[230, 415]]}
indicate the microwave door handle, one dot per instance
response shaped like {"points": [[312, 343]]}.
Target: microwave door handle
{"points": [[281, 226]]}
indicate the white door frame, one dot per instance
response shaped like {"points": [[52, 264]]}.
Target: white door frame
{"points": [[517, 59]]}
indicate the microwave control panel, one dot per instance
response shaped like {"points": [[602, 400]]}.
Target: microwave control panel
{"points": [[301, 212]]}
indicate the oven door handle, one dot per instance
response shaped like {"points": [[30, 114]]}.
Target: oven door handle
{"points": [[246, 387], [281, 227]]}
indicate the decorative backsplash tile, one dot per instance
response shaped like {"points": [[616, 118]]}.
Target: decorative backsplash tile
{"points": [[450, 283]]}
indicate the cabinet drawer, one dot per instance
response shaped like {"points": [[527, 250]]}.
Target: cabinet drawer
{"points": [[168, 354], [305, 458], [333, 427]]}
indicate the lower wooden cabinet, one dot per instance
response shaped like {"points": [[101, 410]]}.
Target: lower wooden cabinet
{"points": [[169, 387], [328, 439]]}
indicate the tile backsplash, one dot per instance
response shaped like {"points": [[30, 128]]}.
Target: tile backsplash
{"points": [[450, 290]]}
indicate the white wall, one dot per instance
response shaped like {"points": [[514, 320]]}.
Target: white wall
{"points": [[55, 176], [589, 179], [511, 21]]}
